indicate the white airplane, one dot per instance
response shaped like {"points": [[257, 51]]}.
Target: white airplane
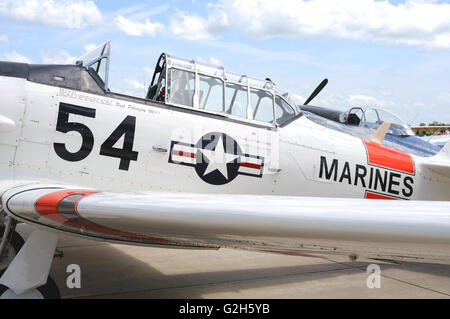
{"points": [[207, 159]]}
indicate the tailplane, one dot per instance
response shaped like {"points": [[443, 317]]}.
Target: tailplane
{"points": [[440, 163], [445, 152]]}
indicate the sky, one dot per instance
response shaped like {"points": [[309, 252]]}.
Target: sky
{"points": [[389, 54]]}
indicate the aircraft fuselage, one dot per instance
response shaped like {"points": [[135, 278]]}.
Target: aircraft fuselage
{"points": [[114, 142]]}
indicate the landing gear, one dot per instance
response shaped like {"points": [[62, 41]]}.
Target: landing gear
{"points": [[48, 291], [17, 279], [10, 243]]}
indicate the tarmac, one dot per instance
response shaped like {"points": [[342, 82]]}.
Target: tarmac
{"points": [[125, 271]]}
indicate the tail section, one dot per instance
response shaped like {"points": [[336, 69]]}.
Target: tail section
{"points": [[445, 152], [440, 163]]}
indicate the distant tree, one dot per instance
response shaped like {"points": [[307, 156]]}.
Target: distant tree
{"points": [[436, 123]]}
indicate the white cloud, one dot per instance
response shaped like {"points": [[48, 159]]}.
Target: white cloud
{"points": [[191, 27], [211, 61], [135, 85], [57, 57], [15, 57], [73, 14], [141, 11], [297, 99], [90, 46], [419, 23], [3, 38], [444, 97], [148, 71], [215, 61], [146, 29], [337, 101], [369, 101]]}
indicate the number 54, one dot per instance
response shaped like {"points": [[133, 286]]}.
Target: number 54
{"points": [[127, 127]]}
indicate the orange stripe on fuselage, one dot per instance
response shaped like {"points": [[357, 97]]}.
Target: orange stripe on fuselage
{"points": [[383, 156]]}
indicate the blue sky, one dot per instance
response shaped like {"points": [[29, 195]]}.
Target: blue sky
{"points": [[394, 55]]}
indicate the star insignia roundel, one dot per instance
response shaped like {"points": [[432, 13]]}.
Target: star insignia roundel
{"points": [[217, 158]]}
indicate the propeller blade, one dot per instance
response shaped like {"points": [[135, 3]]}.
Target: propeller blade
{"points": [[316, 91]]}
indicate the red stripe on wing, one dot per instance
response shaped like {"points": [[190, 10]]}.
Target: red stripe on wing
{"points": [[47, 206]]}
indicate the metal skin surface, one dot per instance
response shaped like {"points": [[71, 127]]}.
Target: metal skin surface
{"points": [[109, 144]]}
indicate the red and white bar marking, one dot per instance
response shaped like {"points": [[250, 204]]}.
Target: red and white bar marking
{"points": [[184, 154], [251, 165]]}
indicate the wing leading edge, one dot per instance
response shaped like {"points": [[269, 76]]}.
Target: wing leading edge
{"points": [[276, 223]]}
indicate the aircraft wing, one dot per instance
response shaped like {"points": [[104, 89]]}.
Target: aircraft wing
{"points": [[272, 223]]}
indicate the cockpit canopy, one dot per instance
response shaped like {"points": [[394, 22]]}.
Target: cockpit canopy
{"points": [[370, 118], [204, 87], [374, 117], [189, 84], [96, 61]]}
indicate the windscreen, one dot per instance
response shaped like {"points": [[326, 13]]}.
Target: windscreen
{"points": [[96, 61]]}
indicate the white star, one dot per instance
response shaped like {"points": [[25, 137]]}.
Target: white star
{"points": [[218, 159]]}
